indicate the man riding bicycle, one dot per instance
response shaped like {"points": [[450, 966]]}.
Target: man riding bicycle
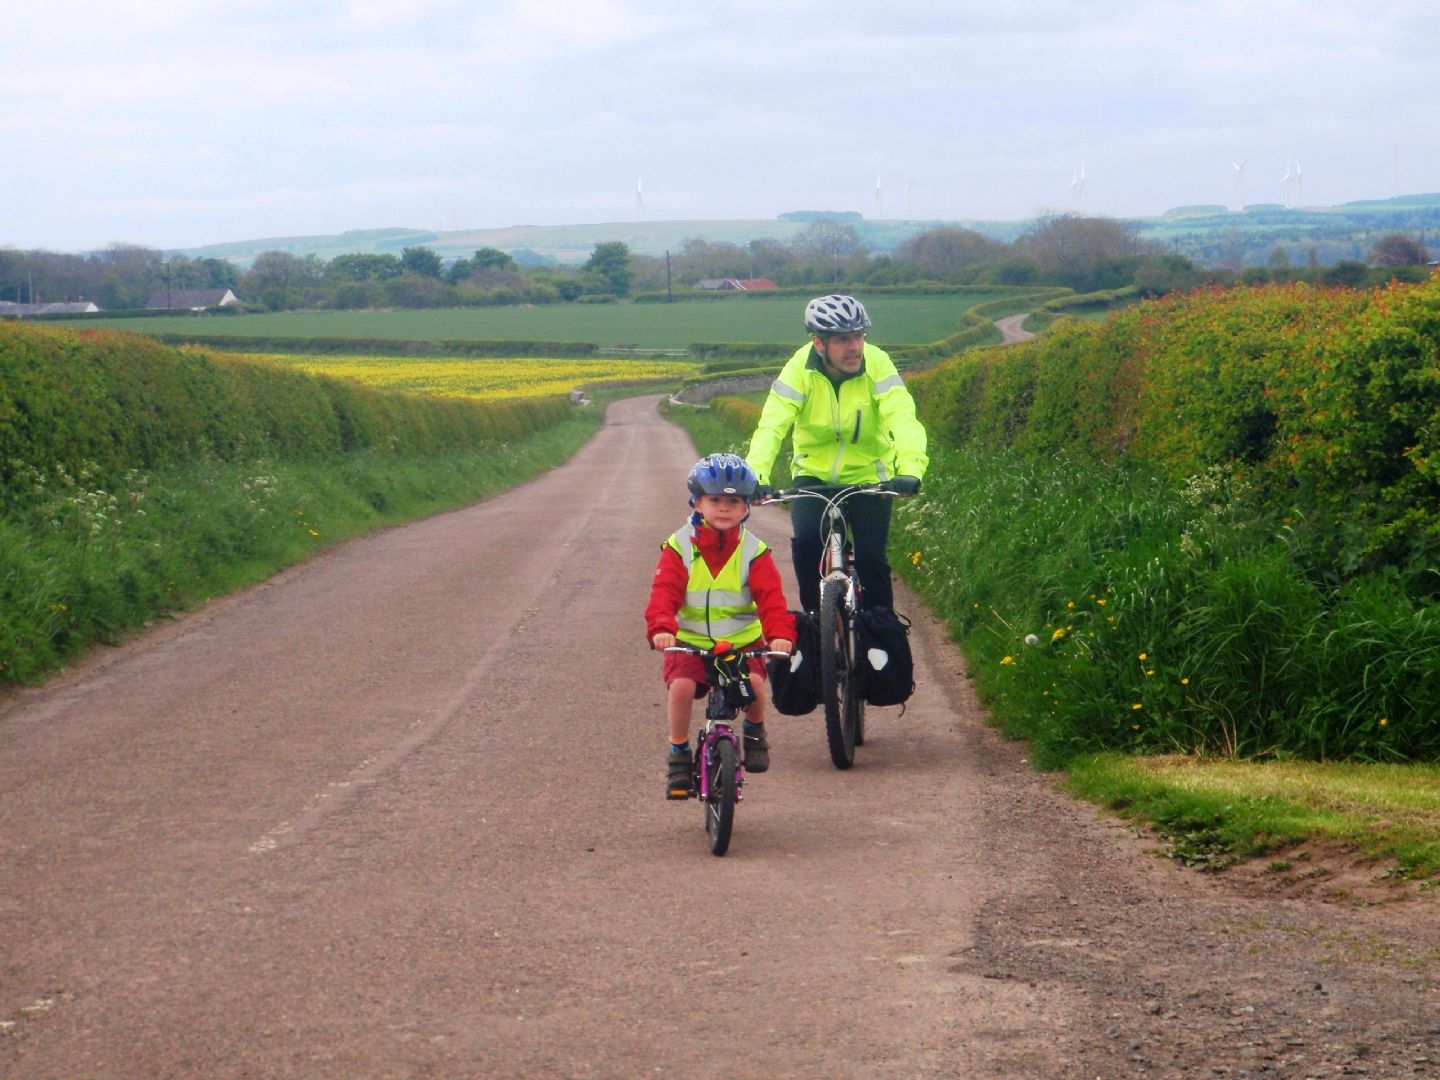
{"points": [[853, 422]]}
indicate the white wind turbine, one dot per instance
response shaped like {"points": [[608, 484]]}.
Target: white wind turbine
{"points": [[1077, 187], [639, 198], [1299, 185], [877, 195], [1240, 184]]}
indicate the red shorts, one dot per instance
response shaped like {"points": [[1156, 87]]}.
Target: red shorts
{"points": [[676, 665]]}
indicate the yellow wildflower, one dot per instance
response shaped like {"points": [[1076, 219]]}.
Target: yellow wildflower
{"points": [[1137, 705], [1008, 660]]}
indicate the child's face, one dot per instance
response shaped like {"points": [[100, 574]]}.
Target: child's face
{"points": [[721, 511]]}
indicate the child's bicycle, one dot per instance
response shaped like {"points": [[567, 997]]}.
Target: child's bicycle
{"points": [[840, 691], [718, 763]]}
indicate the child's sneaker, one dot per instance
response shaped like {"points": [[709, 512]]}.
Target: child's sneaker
{"points": [[680, 782], [757, 749]]}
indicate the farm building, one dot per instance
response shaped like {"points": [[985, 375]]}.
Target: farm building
{"points": [[20, 311], [190, 299], [758, 284]]}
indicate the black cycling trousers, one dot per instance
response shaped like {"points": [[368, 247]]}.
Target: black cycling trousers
{"points": [[869, 517]]}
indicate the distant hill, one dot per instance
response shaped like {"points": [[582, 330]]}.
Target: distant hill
{"points": [[1209, 234], [574, 243]]}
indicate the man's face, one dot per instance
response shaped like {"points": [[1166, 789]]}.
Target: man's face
{"points": [[843, 352]]}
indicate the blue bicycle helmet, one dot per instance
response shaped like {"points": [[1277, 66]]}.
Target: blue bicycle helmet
{"points": [[722, 474]]}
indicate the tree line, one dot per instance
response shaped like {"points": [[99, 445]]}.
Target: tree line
{"points": [[1081, 252]]}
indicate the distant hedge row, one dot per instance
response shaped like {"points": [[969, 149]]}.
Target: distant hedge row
{"points": [[1329, 398], [106, 402], [343, 346]]}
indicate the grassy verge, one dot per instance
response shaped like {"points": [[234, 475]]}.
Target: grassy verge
{"points": [[81, 565]]}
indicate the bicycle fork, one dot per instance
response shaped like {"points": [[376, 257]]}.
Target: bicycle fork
{"points": [[705, 754]]}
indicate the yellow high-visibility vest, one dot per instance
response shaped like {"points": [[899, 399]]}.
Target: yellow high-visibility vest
{"points": [[718, 607]]}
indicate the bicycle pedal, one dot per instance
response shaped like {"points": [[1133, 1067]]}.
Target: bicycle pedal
{"points": [[678, 794]]}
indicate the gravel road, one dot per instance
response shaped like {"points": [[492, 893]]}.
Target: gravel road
{"points": [[398, 813]]}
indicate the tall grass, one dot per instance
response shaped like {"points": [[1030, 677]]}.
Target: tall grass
{"points": [[1102, 609]]}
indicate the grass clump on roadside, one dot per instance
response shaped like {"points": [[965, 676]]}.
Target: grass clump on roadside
{"points": [[1214, 811]]}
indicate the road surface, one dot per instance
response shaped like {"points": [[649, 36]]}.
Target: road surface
{"points": [[398, 813]]}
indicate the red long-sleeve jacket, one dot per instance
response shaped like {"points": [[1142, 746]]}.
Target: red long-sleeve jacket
{"points": [[667, 590]]}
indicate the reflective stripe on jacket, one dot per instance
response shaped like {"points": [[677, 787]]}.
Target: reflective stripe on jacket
{"points": [[864, 430], [718, 607]]}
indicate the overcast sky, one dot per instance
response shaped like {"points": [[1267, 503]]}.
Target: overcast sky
{"points": [[176, 124]]}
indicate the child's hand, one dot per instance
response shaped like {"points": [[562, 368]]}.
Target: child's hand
{"points": [[663, 641], [781, 645]]}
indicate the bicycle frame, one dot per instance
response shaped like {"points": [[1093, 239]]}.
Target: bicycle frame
{"points": [[840, 593]]}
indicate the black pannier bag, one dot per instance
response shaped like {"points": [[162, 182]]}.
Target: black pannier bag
{"points": [[887, 670], [795, 679]]}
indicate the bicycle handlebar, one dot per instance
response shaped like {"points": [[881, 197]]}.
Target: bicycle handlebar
{"points": [[752, 650], [831, 492]]}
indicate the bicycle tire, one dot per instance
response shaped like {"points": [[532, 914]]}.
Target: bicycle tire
{"points": [[720, 761], [836, 682]]}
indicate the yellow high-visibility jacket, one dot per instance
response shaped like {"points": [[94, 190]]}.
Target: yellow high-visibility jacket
{"points": [[864, 430]]}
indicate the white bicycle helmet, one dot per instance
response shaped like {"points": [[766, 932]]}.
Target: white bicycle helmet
{"points": [[835, 314]]}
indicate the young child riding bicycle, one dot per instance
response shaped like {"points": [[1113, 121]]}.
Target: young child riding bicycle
{"points": [[715, 581]]}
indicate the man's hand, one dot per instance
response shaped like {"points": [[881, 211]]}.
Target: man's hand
{"points": [[663, 641], [762, 492], [905, 485]]}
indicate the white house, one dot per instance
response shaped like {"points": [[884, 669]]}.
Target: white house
{"points": [[190, 299]]}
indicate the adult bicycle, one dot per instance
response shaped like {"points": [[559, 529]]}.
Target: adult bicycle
{"points": [[718, 762], [840, 691]]}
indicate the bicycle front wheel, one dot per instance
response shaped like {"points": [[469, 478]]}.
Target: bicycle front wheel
{"points": [[836, 682], [720, 763]]}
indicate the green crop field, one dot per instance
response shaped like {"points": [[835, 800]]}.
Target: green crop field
{"points": [[899, 320]]}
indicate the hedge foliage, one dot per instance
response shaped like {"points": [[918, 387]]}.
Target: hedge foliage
{"points": [[1328, 399], [104, 403]]}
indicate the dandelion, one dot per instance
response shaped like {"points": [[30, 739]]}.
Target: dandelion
{"points": [[1069, 603], [1137, 705], [1134, 727], [1185, 681], [1059, 633], [1102, 601], [915, 558], [1008, 660], [314, 533], [1150, 672], [1144, 657], [1031, 639], [1384, 721]]}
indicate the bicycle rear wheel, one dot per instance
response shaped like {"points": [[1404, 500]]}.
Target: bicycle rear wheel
{"points": [[837, 685], [720, 762]]}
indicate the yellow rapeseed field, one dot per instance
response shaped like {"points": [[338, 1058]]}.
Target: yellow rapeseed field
{"points": [[485, 378]]}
